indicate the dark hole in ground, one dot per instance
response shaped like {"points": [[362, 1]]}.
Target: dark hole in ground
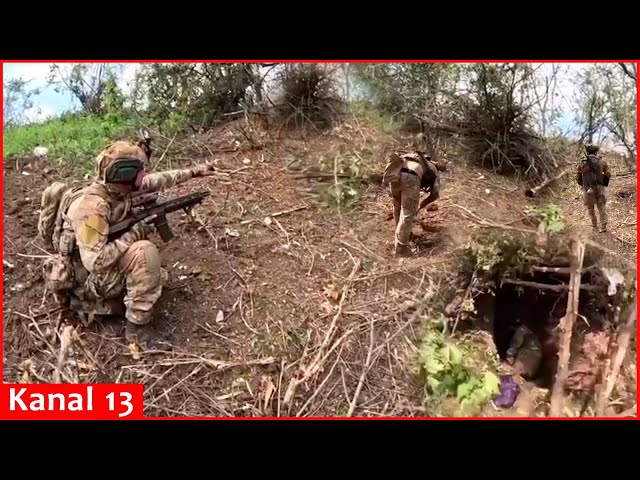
{"points": [[540, 310]]}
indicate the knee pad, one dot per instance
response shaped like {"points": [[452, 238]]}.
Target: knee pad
{"points": [[146, 256]]}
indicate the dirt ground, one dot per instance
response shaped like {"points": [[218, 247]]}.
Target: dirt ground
{"points": [[278, 305]]}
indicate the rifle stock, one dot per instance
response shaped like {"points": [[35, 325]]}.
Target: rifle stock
{"points": [[149, 206]]}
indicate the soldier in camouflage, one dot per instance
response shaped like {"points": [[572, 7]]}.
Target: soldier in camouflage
{"points": [[106, 271], [525, 352], [593, 186], [418, 173]]}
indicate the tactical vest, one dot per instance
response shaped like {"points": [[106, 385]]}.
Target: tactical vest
{"points": [[587, 178]]}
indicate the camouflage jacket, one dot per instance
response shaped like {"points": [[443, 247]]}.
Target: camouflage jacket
{"points": [[88, 219]]}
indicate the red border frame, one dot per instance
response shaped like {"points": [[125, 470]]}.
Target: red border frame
{"points": [[637, 62]]}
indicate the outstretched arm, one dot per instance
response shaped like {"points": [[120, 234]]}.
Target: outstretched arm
{"points": [[154, 182]]}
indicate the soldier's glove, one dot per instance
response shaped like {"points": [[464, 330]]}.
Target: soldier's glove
{"points": [[143, 229], [203, 170]]}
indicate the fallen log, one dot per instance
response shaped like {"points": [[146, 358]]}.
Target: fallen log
{"points": [[435, 125], [531, 192]]}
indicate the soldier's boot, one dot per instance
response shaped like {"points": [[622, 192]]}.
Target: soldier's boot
{"points": [[402, 251], [142, 335], [142, 332]]}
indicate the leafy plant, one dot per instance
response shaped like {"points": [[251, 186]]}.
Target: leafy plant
{"points": [[549, 215], [448, 375], [490, 253], [339, 195], [346, 192]]}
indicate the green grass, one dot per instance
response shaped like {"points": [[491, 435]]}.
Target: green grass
{"points": [[72, 138]]}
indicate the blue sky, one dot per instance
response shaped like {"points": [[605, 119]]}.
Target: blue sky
{"points": [[51, 103]]}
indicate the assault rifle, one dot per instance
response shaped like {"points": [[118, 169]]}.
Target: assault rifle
{"points": [[594, 177], [147, 205]]}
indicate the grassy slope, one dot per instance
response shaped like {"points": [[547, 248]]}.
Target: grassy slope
{"points": [[74, 139]]}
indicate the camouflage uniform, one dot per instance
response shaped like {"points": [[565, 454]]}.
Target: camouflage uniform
{"points": [[525, 352], [594, 195], [104, 271], [418, 173]]}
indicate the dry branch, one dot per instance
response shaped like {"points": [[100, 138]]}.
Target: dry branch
{"points": [[217, 364], [365, 370], [622, 342], [435, 125], [315, 365], [65, 343], [276, 214], [566, 328], [531, 192], [546, 286]]}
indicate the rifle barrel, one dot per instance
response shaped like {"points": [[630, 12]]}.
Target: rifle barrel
{"points": [[161, 208]]}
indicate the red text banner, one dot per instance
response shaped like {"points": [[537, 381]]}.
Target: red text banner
{"points": [[71, 402]]}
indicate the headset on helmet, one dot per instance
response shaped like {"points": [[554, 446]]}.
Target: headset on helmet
{"points": [[120, 162]]}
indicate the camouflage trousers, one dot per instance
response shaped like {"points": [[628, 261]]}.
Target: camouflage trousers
{"points": [[406, 200], [591, 202], [137, 275]]}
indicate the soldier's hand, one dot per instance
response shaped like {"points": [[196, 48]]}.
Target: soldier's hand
{"points": [[204, 170], [145, 227], [149, 220]]}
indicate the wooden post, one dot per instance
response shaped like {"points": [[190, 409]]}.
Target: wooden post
{"points": [[622, 345], [566, 329]]}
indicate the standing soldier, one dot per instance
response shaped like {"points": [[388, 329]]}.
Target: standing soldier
{"points": [[408, 173], [593, 176]]}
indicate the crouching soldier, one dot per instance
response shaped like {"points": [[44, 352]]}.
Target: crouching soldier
{"points": [[90, 273]]}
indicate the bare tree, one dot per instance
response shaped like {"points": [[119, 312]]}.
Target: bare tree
{"points": [[591, 104], [545, 90], [631, 70], [90, 84]]}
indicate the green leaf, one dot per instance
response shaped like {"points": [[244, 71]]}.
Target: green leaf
{"points": [[448, 385], [455, 355], [491, 383], [434, 366], [433, 383], [464, 390]]}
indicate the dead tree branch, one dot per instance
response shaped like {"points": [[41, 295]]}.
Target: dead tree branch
{"points": [[531, 192]]}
